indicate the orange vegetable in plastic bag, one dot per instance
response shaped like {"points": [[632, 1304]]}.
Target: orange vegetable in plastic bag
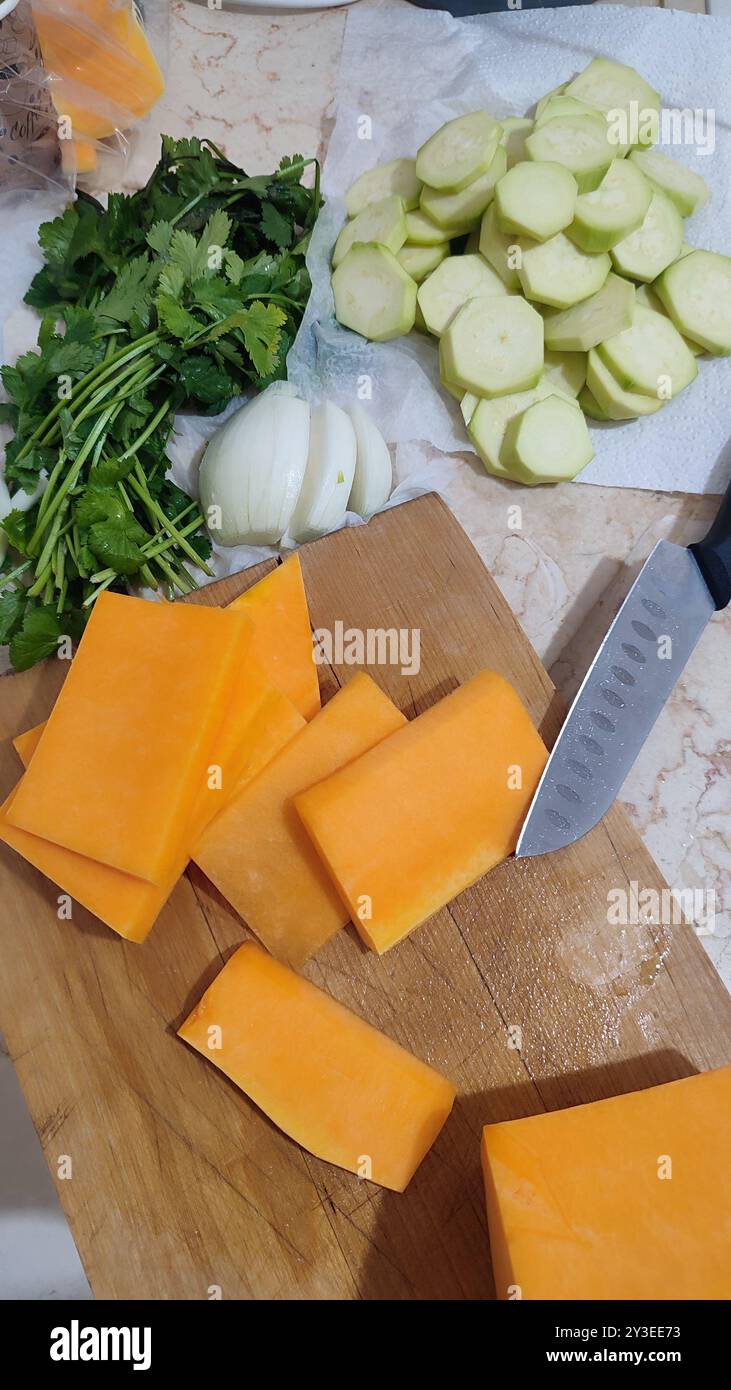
{"points": [[103, 74], [78, 156]]}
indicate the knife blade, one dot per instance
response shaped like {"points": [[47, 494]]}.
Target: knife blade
{"points": [[636, 667]]}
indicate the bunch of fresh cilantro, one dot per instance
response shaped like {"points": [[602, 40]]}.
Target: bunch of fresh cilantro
{"points": [[184, 294]]}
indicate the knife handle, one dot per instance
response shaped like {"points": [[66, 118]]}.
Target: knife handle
{"points": [[713, 554]]}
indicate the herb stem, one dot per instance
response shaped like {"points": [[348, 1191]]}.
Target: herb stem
{"points": [[87, 385], [6, 579], [138, 484], [148, 430], [93, 596], [65, 487]]}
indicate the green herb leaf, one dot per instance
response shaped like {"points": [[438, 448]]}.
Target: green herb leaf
{"points": [[26, 472], [234, 267], [184, 254], [80, 324], [37, 637], [98, 503], [55, 238], [12, 608], [275, 226], [159, 237], [175, 317], [205, 381], [117, 543], [260, 325], [129, 293], [213, 241]]}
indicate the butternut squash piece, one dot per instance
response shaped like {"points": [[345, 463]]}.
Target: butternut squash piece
{"points": [[619, 1199], [405, 828], [25, 744], [260, 721], [105, 74], [257, 852], [124, 755], [78, 156], [282, 645], [342, 1090], [128, 905]]}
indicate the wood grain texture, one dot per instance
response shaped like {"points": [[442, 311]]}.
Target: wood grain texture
{"points": [[179, 1182]]}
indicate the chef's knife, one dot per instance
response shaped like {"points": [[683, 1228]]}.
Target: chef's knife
{"points": [[627, 684]]}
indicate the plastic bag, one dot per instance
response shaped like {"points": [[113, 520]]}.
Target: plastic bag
{"points": [[76, 78]]}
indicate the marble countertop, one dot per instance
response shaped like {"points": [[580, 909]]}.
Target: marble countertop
{"points": [[263, 85]]}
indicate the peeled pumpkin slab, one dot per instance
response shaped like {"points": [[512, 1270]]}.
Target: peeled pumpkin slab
{"points": [[123, 757], [282, 644], [259, 722], [342, 1090], [104, 74], [615, 1200], [78, 156], [25, 744], [257, 851], [422, 816]]}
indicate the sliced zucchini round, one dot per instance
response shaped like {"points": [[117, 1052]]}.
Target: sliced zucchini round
{"points": [[468, 405], [696, 292], [547, 443], [650, 357], [600, 316], [420, 261], [557, 272], [383, 222], [655, 244], [610, 212], [543, 103], [535, 199], [590, 405], [559, 104], [419, 324], [646, 296], [421, 231], [616, 403], [373, 294], [515, 131], [499, 249], [456, 280], [462, 211], [489, 420], [613, 87], [398, 176], [580, 143], [565, 370], [458, 152], [493, 345], [686, 189], [448, 385]]}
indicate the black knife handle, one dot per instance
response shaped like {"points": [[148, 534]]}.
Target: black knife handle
{"points": [[713, 554]]}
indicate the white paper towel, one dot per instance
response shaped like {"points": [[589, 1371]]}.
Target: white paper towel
{"points": [[407, 71]]}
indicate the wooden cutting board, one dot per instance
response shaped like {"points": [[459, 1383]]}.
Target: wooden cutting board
{"points": [[180, 1187]]}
